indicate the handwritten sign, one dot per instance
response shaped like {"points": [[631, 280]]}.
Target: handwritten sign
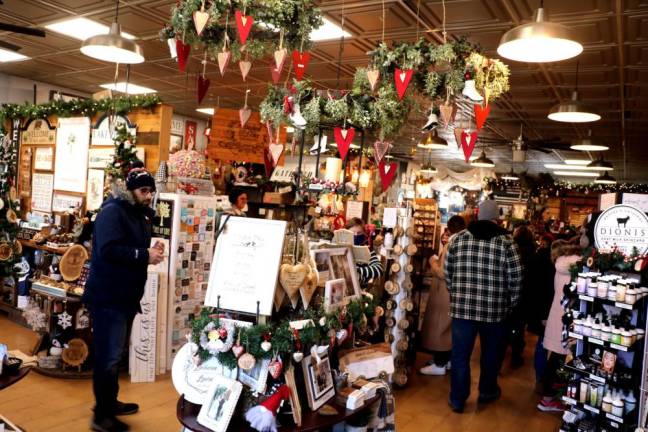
{"points": [[44, 158], [64, 202], [230, 142], [246, 244], [639, 201], [39, 132], [42, 188], [143, 336], [95, 195]]}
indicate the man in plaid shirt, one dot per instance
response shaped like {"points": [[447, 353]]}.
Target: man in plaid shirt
{"points": [[483, 272]]}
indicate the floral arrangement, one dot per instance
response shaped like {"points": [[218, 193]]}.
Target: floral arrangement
{"points": [[491, 75], [187, 163]]}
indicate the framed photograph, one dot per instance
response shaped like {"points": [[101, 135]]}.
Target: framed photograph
{"points": [[334, 295], [257, 377], [318, 380], [341, 265], [322, 263], [175, 143], [219, 406], [44, 158]]}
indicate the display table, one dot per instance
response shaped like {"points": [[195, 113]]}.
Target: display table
{"points": [[9, 380], [187, 413]]}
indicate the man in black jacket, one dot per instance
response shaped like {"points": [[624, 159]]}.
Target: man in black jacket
{"points": [[121, 253]]}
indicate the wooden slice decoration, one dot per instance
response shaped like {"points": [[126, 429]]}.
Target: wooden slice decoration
{"points": [[400, 361], [403, 324], [379, 311], [398, 231], [395, 267], [72, 262], [292, 277], [389, 338], [398, 249], [378, 241], [410, 232], [328, 411], [390, 322], [407, 305], [402, 345], [392, 288], [409, 268], [17, 247], [6, 251], [408, 285], [411, 249], [246, 361], [400, 377], [11, 216], [76, 353], [390, 304]]}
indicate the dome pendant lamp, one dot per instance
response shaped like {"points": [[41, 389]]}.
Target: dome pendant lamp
{"points": [[573, 110], [483, 161], [539, 41], [113, 47]]}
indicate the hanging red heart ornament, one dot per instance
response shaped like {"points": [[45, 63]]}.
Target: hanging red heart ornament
{"points": [[300, 63], [280, 57], [481, 114], [269, 167], [203, 86], [245, 67], [457, 134], [387, 173], [275, 367], [238, 350], [468, 141], [244, 25], [343, 138], [183, 54], [402, 79], [447, 114], [380, 150], [223, 60], [200, 19]]}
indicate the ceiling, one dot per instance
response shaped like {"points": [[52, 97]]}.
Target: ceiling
{"points": [[613, 67]]}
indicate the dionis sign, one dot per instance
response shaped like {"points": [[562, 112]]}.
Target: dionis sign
{"points": [[624, 227]]}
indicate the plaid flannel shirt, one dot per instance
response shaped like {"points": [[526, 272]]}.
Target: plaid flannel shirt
{"points": [[484, 277]]}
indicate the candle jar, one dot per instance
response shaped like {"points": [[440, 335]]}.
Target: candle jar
{"points": [[605, 333], [616, 336], [612, 292], [603, 286], [581, 284], [596, 331], [587, 328], [631, 296], [633, 336], [626, 338], [578, 326], [617, 408], [621, 292], [640, 334], [592, 288]]}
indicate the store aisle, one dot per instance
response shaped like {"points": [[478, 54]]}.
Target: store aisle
{"points": [[39, 403]]}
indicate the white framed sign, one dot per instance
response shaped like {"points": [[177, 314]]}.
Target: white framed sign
{"points": [[104, 131], [42, 189], [639, 201], [44, 158], [95, 193], [102, 157], [623, 227], [245, 266], [72, 144], [64, 202]]}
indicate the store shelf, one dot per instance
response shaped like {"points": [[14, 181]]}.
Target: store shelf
{"points": [[594, 410], [601, 342], [620, 384], [611, 302], [31, 244]]}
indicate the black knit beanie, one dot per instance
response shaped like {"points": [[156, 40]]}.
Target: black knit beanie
{"points": [[138, 178]]}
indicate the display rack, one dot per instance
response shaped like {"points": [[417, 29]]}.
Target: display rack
{"points": [[426, 224]]}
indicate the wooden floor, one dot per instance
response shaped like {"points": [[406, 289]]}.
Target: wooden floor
{"points": [[38, 403]]}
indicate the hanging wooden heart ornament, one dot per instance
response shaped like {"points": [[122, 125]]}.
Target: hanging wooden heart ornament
{"points": [[291, 278], [373, 75], [457, 134], [275, 71], [300, 63], [200, 19], [268, 163], [244, 115], [280, 57], [308, 289], [183, 54], [481, 114], [244, 25], [238, 350], [343, 138], [275, 151], [447, 113], [380, 149], [387, 173], [245, 67], [402, 79], [203, 86], [223, 60], [468, 141]]}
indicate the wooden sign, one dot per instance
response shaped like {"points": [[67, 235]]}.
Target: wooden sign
{"points": [[231, 142], [143, 335], [39, 132], [104, 130], [25, 176]]}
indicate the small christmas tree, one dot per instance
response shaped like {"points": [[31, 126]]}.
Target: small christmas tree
{"points": [[10, 248], [125, 154]]}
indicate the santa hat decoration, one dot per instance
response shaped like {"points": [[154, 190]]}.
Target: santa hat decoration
{"points": [[262, 416]]}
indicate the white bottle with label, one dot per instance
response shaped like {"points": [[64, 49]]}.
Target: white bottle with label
{"points": [[630, 402]]}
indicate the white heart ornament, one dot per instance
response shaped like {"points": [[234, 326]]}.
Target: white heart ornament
{"points": [[276, 150], [280, 57], [266, 346], [245, 67], [238, 350], [200, 18], [373, 75], [244, 115], [223, 60], [298, 356]]}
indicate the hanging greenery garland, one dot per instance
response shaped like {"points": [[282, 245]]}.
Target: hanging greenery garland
{"points": [[545, 184]]}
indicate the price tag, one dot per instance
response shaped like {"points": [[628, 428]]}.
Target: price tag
{"points": [[614, 418], [623, 305], [596, 341], [592, 409], [316, 187], [586, 298], [619, 347], [597, 378], [575, 335], [569, 400]]}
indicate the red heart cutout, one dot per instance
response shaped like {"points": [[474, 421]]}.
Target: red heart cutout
{"points": [[387, 173], [267, 161], [244, 25], [203, 86], [468, 141], [300, 63], [343, 138], [183, 54], [480, 115], [402, 78]]}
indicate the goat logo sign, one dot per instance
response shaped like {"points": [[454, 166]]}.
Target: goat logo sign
{"points": [[622, 227]]}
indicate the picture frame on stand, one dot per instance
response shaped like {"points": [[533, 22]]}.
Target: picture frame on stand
{"points": [[318, 380]]}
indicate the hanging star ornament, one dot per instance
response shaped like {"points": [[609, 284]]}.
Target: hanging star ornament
{"points": [[64, 320]]}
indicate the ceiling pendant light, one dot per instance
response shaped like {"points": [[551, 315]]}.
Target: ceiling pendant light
{"points": [[600, 165], [483, 162], [510, 176], [539, 41], [113, 47], [433, 142], [606, 178], [587, 144], [573, 110], [427, 168]]}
